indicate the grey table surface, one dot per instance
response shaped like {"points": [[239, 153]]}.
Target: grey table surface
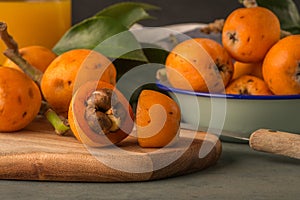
{"points": [[240, 173]]}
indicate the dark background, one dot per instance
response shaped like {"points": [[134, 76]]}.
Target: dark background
{"points": [[171, 12]]}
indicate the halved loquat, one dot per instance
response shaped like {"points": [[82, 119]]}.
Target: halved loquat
{"points": [[157, 119]]}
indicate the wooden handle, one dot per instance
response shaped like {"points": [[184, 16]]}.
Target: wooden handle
{"points": [[276, 142]]}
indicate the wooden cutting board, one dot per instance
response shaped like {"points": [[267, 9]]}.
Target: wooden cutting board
{"points": [[37, 153]]}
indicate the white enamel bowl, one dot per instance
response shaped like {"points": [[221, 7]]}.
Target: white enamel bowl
{"points": [[238, 114]]}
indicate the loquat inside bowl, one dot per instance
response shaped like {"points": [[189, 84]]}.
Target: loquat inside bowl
{"points": [[239, 115]]}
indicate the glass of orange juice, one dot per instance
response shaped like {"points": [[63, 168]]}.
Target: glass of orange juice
{"points": [[35, 22]]}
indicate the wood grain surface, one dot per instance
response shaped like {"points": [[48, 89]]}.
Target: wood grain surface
{"points": [[37, 153], [277, 142]]}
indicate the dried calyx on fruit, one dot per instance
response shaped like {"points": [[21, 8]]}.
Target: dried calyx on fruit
{"points": [[104, 113], [99, 114]]}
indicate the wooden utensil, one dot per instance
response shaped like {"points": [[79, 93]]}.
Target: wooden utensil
{"points": [[271, 141], [276, 142], [266, 140]]}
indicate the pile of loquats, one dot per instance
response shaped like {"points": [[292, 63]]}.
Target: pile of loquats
{"points": [[253, 59], [80, 85]]}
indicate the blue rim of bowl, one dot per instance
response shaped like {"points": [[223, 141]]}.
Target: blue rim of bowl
{"points": [[166, 87]]}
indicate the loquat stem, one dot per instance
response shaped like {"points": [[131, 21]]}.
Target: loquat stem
{"points": [[248, 3], [161, 75], [7, 39], [217, 25], [12, 52], [284, 33], [214, 27], [60, 127]]}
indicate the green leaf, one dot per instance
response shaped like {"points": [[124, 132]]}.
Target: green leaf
{"points": [[155, 53], [128, 13], [286, 11], [100, 33], [122, 45]]}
